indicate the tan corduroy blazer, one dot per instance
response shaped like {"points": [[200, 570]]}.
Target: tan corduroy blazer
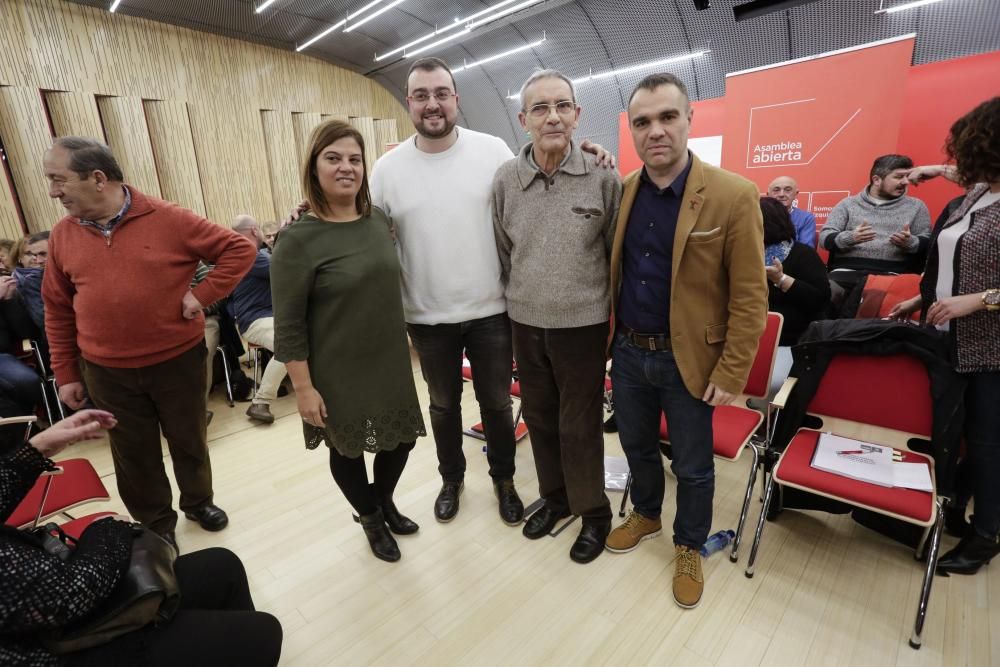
{"points": [[718, 293]]}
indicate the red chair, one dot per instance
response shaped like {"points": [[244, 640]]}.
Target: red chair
{"points": [[76, 527], [78, 484], [733, 426], [857, 393], [882, 292], [520, 428]]}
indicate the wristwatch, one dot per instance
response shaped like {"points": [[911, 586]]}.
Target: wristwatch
{"points": [[991, 300]]}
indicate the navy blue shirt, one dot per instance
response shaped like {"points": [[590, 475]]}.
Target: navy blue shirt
{"points": [[251, 299], [647, 254]]}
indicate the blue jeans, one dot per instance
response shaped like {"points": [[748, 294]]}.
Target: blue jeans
{"points": [[982, 437], [19, 384], [646, 383], [486, 342]]}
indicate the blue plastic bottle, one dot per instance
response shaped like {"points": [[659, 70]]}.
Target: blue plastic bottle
{"points": [[717, 542]]}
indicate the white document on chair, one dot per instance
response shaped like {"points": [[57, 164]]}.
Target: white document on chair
{"points": [[912, 476], [858, 460]]}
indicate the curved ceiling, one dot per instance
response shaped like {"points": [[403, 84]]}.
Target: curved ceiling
{"points": [[582, 37]]}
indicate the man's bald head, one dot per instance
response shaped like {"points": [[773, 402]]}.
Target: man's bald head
{"points": [[247, 226], [784, 189]]}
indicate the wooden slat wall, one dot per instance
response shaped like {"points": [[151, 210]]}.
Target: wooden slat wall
{"points": [[74, 114], [125, 126], [366, 126], [10, 223], [282, 161], [303, 125], [173, 151], [385, 133], [26, 137], [224, 83]]}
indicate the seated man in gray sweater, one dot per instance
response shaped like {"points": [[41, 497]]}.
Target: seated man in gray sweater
{"points": [[879, 230], [553, 215]]}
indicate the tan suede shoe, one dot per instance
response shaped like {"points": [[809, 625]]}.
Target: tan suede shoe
{"points": [[689, 582], [633, 530]]}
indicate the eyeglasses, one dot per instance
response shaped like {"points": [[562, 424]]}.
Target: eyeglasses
{"points": [[422, 96], [563, 108]]}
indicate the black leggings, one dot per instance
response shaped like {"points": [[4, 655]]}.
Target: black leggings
{"points": [[352, 477], [215, 625]]}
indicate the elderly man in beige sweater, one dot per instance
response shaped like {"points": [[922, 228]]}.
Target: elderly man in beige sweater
{"points": [[553, 215]]}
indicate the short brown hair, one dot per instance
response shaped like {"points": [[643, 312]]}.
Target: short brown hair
{"points": [[321, 137], [429, 65], [654, 81], [974, 144], [89, 155]]}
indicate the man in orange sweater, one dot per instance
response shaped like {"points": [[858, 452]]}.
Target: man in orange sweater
{"points": [[120, 316]]}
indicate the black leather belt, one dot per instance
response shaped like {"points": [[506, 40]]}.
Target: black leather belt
{"points": [[647, 341]]}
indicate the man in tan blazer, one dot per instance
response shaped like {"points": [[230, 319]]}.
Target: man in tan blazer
{"points": [[689, 302]]}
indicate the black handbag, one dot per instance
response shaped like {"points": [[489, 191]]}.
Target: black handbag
{"points": [[146, 594]]}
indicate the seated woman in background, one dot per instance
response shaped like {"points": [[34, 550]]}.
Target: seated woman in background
{"points": [[798, 286], [338, 324], [39, 592], [6, 248]]}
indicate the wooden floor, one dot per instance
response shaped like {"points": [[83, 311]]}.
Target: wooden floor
{"points": [[475, 592]]}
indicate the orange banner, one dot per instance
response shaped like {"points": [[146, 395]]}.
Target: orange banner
{"points": [[821, 120]]}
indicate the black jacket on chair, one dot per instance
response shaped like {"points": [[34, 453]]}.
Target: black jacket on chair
{"points": [[827, 338]]}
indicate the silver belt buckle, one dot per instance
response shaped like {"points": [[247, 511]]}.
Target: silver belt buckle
{"points": [[652, 343]]}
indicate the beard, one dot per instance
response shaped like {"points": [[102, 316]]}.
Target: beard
{"points": [[883, 194], [427, 133]]}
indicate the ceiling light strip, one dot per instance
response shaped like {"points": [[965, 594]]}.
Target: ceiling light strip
{"points": [[264, 6], [498, 15], [464, 22], [631, 68], [437, 43], [498, 56], [340, 24], [904, 7], [114, 6], [373, 15]]}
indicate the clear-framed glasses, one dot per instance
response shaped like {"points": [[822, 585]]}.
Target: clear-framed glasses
{"points": [[422, 96], [562, 107]]}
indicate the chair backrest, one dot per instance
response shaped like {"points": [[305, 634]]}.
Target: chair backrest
{"points": [[882, 292], [759, 381], [890, 392]]}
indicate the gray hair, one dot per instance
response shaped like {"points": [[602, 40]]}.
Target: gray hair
{"points": [[89, 155], [540, 74], [243, 222]]}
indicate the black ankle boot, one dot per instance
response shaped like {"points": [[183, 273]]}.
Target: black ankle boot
{"points": [[972, 552], [398, 523], [381, 541]]}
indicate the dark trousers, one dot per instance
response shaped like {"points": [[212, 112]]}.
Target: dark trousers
{"points": [[562, 391], [982, 437], [215, 625], [20, 384], [486, 342], [169, 395], [647, 383], [351, 476]]}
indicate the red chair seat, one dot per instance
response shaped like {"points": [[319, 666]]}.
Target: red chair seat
{"points": [[79, 483], [76, 527], [515, 389], [732, 426], [794, 470]]}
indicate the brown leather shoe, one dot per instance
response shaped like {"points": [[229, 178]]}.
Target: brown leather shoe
{"points": [[260, 412], [635, 529], [689, 582]]}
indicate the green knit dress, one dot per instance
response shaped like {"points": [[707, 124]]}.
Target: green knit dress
{"points": [[337, 305]]}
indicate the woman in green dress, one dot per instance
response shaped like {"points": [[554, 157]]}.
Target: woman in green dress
{"points": [[339, 329]]}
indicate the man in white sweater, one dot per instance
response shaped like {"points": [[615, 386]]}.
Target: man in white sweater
{"points": [[436, 189]]}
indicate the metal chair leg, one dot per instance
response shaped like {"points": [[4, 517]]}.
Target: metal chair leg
{"points": [[754, 462], [628, 487], [256, 370], [225, 370], [760, 527], [45, 402], [55, 392], [925, 593]]}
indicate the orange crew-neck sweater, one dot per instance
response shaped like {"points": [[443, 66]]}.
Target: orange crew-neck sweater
{"points": [[115, 300]]}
